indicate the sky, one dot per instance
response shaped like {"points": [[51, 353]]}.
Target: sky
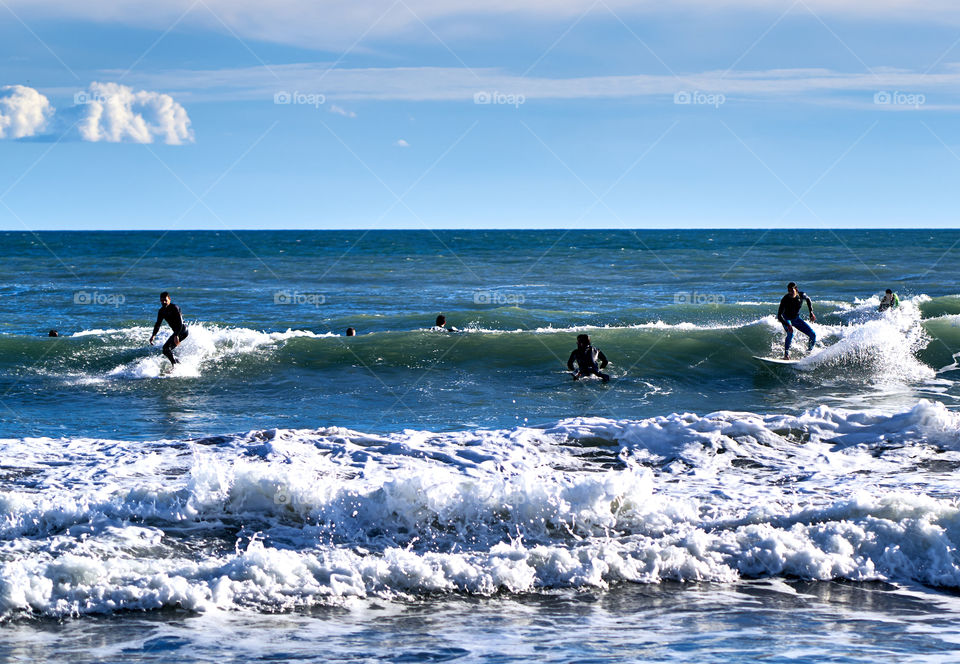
{"points": [[240, 114]]}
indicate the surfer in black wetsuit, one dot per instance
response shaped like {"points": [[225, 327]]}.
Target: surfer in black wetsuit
{"points": [[441, 325], [171, 313], [789, 316], [589, 360]]}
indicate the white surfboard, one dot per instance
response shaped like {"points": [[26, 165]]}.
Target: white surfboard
{"points": [[777, 361]]}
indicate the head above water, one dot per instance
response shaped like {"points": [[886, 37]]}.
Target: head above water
{"points": [[53, 333], [441, 320], [889, 292], [164, 298], [792, 288], [583, 340], [351, 332]]}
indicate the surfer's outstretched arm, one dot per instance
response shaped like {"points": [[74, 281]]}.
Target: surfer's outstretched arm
{"points": [[156, 326], [813, 316]]}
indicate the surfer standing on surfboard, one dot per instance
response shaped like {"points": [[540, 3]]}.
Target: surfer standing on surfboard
{"points": [[789, 317], [171, 313]]}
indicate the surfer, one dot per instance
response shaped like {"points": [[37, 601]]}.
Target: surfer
{"points": [[351, 332], [889, 301], [589, 360], [171, 313], [441, 325], [789, 317]]}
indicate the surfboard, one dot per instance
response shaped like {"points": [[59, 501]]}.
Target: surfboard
{"points": [[777, 361]]}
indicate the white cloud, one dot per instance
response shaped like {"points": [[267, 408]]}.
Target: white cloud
{"points": [[342, 111], [401, 143], [337, 24], [115, 113], [23, 111]]}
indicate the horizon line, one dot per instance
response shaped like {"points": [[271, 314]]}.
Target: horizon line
{"points": [[481, 228]]}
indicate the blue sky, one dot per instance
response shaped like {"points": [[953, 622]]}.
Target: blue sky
{"points": [[527, 114]]}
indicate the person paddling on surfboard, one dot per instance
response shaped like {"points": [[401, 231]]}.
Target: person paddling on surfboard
{"points": [[171, 313], [589, 360], [789, 317]]}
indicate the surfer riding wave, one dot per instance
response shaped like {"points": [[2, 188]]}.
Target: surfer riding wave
{"points": [[789, 316], [171, 313]]}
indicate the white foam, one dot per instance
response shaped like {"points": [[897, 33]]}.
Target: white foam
{"points": [[882, 345], [205, 345], [286, 518], [655, 325]]}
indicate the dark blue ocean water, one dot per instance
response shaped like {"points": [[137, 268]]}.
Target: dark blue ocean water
{"points": [[407, 494], [679, 314]]}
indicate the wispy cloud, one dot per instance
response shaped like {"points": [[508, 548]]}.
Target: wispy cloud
{"points": [[456, 84], [400, 143], [339, 110], [335, 24]]}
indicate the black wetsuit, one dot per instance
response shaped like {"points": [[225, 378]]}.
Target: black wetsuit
{"points": [[171, 314], [586, 358], [789, 316], [790, 306]]}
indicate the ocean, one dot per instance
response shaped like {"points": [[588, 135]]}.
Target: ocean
{"points": [[288, 493]]}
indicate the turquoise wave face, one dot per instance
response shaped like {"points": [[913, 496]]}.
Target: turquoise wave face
{"points": [[681, 316]]}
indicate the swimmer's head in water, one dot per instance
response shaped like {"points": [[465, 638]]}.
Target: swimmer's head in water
{"points": [[53, 333], [441, 320], [351, 332], [583, 340], [164, 298], [889, 292]]}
